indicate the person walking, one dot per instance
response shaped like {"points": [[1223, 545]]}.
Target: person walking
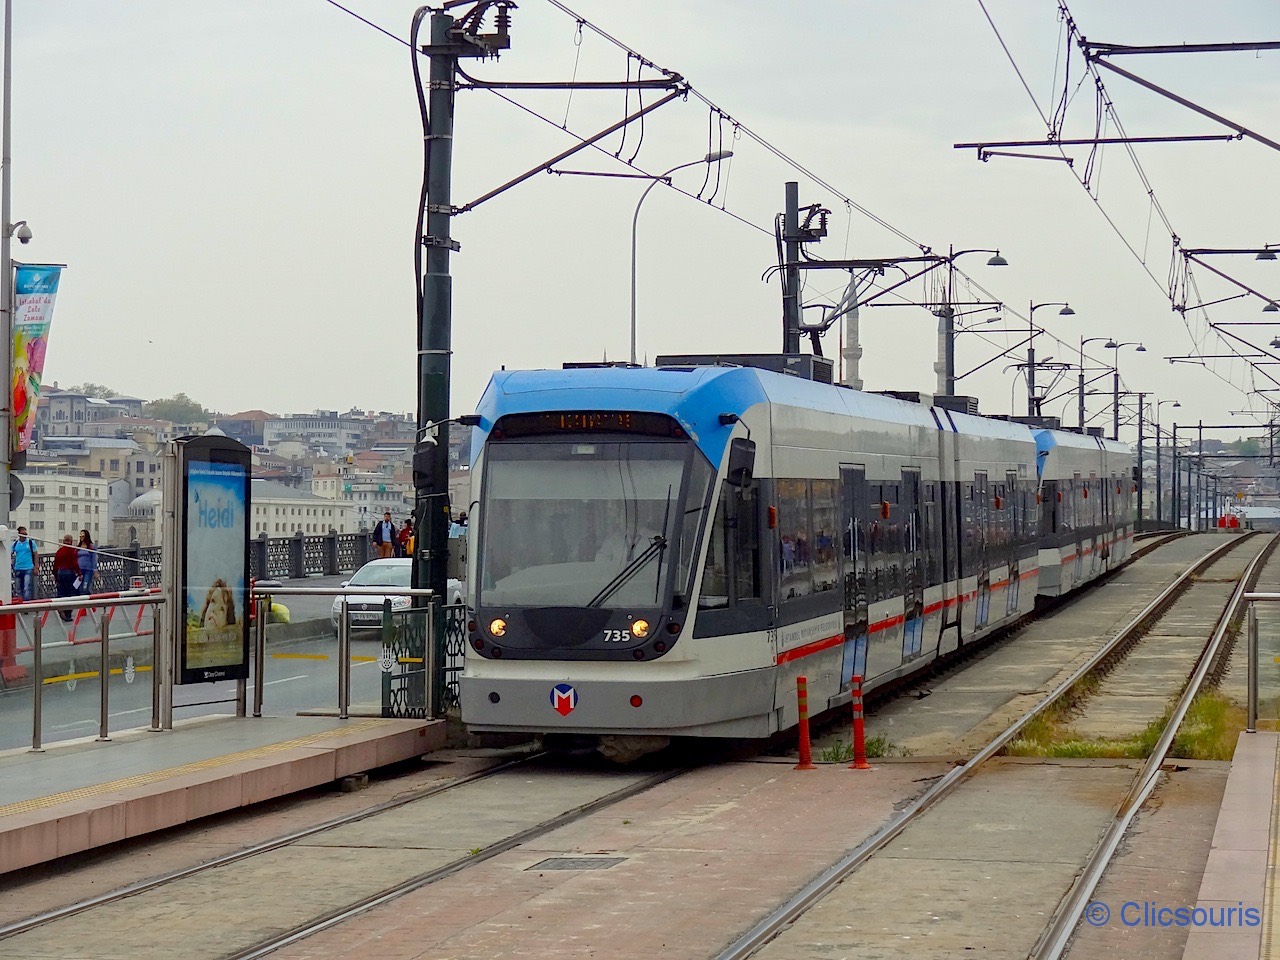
{"points": [[384, 535], [404, 539], [87, 558], [66, 570], [26, 561]]}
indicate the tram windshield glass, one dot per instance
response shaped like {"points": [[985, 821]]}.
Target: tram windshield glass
{"points": [[590, 523]]}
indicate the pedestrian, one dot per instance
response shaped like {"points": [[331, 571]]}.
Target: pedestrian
{"points": [[87, 557], [384, 535], [66, 570], [26, 561], [404, 539]]}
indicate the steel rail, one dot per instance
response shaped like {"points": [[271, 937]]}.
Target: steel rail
{"points": [[343, 914], [151, 883], [1053, 942], [819, 887]]}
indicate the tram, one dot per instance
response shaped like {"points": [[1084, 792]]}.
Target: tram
{"points": [[659, 552]]}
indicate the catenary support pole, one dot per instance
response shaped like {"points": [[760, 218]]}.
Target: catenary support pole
{"points": [[791, 272], [431, 454]]}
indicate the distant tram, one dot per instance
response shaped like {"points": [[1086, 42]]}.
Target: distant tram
{"points": [[659, 553]]}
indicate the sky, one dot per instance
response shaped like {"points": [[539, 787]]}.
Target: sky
{"points": [[234, 189]]}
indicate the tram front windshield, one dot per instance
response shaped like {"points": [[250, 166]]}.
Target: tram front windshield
{"points": [[589, 523]]}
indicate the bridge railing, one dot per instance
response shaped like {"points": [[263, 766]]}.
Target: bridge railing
{"points": [[270, 558]]}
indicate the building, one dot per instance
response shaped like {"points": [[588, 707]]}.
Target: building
{"points": [[65, 412], [59, 501], [322, 430], [282, 511], [245, 426], [367, 494]]}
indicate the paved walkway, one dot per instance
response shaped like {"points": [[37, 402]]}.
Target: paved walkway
{"points": [[1235, 915], [84, 794]]}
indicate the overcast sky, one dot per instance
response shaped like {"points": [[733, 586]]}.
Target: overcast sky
{"points": [[233, 188]]}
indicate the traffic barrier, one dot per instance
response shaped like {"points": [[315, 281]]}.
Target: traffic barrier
{"points": [[802, 701], [10, 670], [859, 731]]}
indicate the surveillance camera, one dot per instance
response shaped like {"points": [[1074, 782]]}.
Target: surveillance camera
{"points": [[22, 232]]}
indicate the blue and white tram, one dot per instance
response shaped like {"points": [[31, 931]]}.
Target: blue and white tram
{"points": [[1087, 493], [660, 552]]}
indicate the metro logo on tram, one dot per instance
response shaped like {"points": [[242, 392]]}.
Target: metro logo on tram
{"points": [[563, 699]]}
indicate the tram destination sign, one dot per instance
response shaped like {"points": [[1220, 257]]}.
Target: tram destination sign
{"points": [[587, 421]]}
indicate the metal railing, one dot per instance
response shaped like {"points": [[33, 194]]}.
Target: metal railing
{"points": [[270, 558], [263, 592], [38, 612], [1251, 640]]}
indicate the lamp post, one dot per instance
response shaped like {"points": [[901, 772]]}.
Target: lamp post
{"points": [[1080, 389], [1159, 480], [635, 220], [947, 320], [1115, 382], [1033, 407]]}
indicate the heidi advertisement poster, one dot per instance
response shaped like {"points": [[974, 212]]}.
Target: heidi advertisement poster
{"points": [[215, 641]]}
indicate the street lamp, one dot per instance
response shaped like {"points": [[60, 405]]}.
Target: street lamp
{"points": [[1033, 407], [1080, 390], [661, 178], [1115, 381], [946, 367], [1159, 481]]}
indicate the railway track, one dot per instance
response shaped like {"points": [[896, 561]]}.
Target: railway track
{"points": [[111, 917], [1067, 912]]}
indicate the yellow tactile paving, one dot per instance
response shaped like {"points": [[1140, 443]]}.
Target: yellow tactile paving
{"points": [[1269, 944], [157, 776]]}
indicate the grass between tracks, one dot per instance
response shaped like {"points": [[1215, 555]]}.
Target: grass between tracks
{"points": [[1208, 732]]}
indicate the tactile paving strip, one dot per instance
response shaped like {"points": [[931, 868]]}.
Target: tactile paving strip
{"points": [[158, 776], [1268, 946]]}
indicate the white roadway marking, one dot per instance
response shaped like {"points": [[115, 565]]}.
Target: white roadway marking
{"points": [[301, 676]]}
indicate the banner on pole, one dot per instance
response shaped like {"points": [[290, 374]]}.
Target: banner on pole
{"points": [[35, 288]]}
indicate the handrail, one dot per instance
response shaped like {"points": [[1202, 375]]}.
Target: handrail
{"points": [[124, 598], [268, 591]]}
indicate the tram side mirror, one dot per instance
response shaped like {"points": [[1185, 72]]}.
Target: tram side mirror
{"points": [[742, 462]]}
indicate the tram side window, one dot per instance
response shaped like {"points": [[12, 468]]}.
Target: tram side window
{"points": [[894, 541], [968, 532], [732, 573], [826, 573], [929, 513], [877, 544], [794, 541]]}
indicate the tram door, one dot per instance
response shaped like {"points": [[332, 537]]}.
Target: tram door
{"points": [[913, 566], [982, 519], [1109, 499], [1014, 534], [854, 513], [1079, 513]]}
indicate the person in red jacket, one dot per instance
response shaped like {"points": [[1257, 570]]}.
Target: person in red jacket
{"points": [[66, 569]]}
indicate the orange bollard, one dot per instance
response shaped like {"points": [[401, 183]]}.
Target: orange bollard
{"points": [[859, 732], [806, 750]]}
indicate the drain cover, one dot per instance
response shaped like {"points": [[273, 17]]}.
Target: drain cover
{"points": [[578, 863]]}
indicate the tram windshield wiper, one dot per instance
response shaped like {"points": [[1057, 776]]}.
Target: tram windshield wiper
{"points": [[655, 549]]}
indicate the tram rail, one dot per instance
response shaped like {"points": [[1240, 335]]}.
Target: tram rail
{"points": [[1054, 940]]}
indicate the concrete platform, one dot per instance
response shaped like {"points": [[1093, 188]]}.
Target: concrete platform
{"points": [[85, 794], [1240, 873]]}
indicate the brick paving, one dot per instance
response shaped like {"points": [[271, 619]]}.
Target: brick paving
{"points": [[708, 854]]}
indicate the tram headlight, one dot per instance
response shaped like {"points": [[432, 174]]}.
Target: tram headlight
{"points": [[498, 627], [640, 629]]}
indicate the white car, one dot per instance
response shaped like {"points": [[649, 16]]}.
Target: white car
{"points": [[365, 610]]}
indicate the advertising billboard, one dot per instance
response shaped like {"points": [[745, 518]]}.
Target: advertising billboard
{"points": [[213, 635]]}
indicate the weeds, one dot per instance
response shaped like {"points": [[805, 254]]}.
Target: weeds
{"points": [[877, 747], [1208, 732]]}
